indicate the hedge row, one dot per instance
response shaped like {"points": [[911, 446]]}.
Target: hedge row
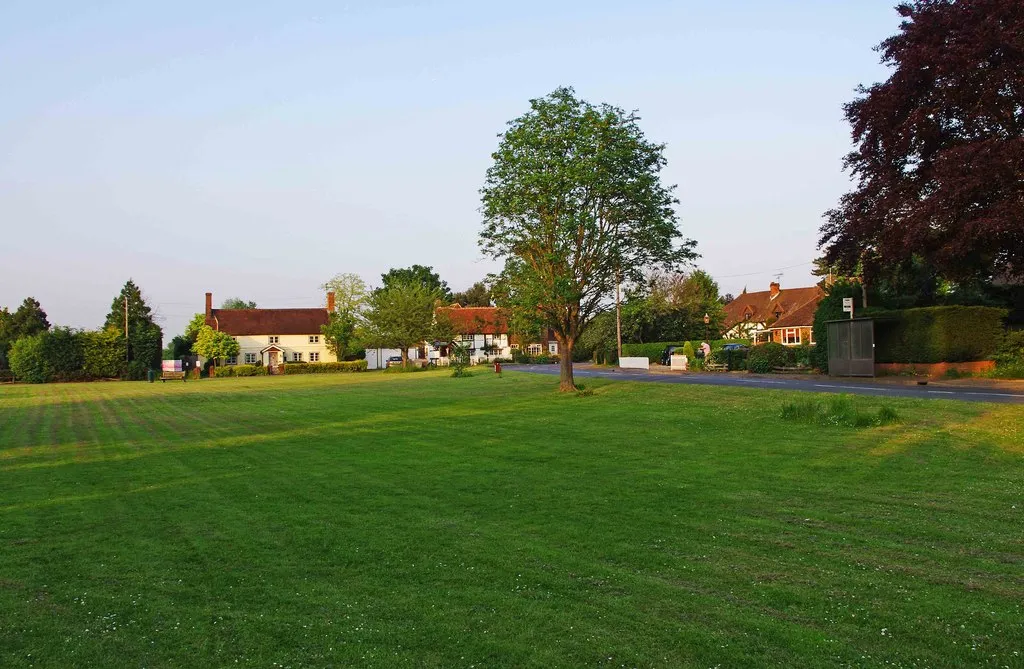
{"points": [[654, 350], [241, 370], [938, 334], [325, 367]]}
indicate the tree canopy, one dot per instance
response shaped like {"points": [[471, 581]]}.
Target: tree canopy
{"points": [[237, 303], [402, 315], [145, 337], [573, 203], [425, 276], [350, 293], [27, 320], [477, 295], [214, 344], [939, 156]]}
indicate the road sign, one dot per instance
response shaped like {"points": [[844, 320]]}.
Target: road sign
{"points": [[848, 306]]}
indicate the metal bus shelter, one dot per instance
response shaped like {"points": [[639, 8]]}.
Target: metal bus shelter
{"points": [[851, 347]]}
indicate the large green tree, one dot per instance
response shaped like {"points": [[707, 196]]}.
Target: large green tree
{"points": [[27, 320], [350, 293], [477, 295], [145, 338], [402, 315], [574, 203], [350, 298], [237, 303], [425, 276], [215, 345], [938, 161]]}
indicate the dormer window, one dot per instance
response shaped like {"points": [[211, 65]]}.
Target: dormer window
{"points": [[747, 315]]}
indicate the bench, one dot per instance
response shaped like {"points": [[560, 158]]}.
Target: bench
{"points": [[172, 376], [715, 367]]}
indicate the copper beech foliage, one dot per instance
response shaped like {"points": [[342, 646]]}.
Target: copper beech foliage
{"points": [[939, 157]]}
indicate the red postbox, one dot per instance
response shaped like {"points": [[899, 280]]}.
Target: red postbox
{"points": [[497, 368]]}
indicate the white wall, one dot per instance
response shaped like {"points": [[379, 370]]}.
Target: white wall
{"points": [[377, 358], [290, 343]]}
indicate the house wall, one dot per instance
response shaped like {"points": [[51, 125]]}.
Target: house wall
{"points": [[777, 336], [290, 343]]}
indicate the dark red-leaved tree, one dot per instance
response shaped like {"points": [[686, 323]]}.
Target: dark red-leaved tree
{"points": [[939, 157]]}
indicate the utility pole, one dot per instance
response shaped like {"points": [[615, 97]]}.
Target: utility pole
{"points": [[127, 353]]}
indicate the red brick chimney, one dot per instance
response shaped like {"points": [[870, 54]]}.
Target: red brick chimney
{"points": [[209, 305], [330, 302], [775, 289]]}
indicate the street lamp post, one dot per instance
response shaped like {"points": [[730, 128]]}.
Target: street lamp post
{"points": [[707, 319]]}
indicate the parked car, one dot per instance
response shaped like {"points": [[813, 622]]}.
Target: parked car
{"points": [[666, 355], [735, 347], [394, 361]]}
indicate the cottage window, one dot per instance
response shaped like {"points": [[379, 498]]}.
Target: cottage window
{"points": [[811, 339], [535, 349], [273, 339], [314, 356], [314, 339], [232, 360], [297, 356], [250, 358], [791, 336]]}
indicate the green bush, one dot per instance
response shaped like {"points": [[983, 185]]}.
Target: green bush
{"points": [[51, 355], [939, 334], [6, 376], [103, 353], [1009, 356], [733, 360], [765, 358], [242, 370], [325, 367], [27, 358]]}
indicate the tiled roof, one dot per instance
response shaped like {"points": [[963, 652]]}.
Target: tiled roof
{"points": [[476, 320], [760, 307], [268, 321], [802, 317]]}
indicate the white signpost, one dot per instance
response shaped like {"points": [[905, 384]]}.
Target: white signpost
{"points": [[848, 306]]}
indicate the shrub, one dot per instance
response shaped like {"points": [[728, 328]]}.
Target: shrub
{"points": [[733, 360], [6, 376], [939, 334], [27, 358], [765, 358], [242, 370], [837, 410], [103, 353], [325, 367], [1009, 356]]}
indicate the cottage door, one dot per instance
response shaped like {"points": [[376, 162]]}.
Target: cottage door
{"points": [[273, 361]]}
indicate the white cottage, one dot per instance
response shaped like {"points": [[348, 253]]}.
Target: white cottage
{"points": [[274, 336]]}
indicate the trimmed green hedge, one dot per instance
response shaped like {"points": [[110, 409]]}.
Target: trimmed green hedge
{"points": [[763, 359], [938, 334], [241, 370], [654, 350], [325, 367]]}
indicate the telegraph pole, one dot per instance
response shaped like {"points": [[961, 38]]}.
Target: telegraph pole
{"points": [[126, 344]]}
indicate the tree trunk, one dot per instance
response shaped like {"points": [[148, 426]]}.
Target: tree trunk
{"points": [[405, 357], [565, 346]]}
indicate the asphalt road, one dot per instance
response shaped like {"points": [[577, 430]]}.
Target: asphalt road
{"points": [[812, 385]]}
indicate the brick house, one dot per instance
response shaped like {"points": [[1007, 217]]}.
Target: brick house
{"points": [[274, 336], [783, 316]]}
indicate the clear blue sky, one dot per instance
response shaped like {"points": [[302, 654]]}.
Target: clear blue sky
{"points": [[255, 149]]}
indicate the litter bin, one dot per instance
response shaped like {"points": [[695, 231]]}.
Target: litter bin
{"points": [[150, 375]]}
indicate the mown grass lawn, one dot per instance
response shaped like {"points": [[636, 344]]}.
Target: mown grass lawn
{"points": [[420, 520]]}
